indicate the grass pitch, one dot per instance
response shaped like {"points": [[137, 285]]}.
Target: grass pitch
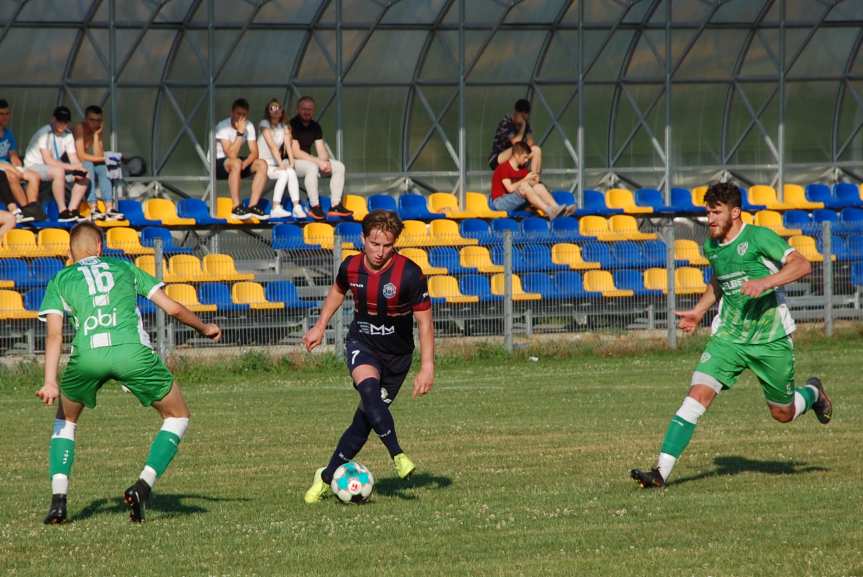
{"points": [[522, 470]]}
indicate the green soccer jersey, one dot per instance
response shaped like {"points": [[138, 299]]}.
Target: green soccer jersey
{"points": [[755, 253], [101, 296]]}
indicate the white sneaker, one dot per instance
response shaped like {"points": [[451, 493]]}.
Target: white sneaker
{"points": [[298, 212], [279, 212]]}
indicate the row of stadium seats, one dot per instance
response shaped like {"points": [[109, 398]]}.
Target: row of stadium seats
{"points": [[55, 242]]}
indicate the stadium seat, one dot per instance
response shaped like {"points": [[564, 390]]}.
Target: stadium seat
{"points": [[540, 283], [5, 283], [594, 204], [624, 199], [186, 295], [628, 279], [520, 263], [420, 257], [697, 195], [216, 293], [382, 202], [415, 207], [818, 192], [747, 217], [570, 285], [21, 243], [797, 219], [682, 202], [627, 254], [478, 204], [656, 279], [126, 240], [151, 233], [807, 246], [288, 237], [766, 195], [627, 225], [653, 253], [568, 254], [535, 229], [33, 299], [446, 257], [252, 294], [795, 197], [446, 203], [838, 247], [349, 252], [846, 194], [477, 285], [445, 289], [147, 263], [16, 272], [477, 258], [319, 235], [688, 280], [602, 281], [350, 232], [146, 306], [501, 225], [852, 217], [86, 211], [857, 274], [598, 228], [42, 270], [689, 251], [773, 220], [537, 257], [821, 215], [163, 209], [745, 204], [415, 233], [285, 291], [652, 198], [446, 233], [186, 268], [566, 228], [221, 267], [224, 206], [197, 209], [518, 294], [134, 213], [854, 247], [12, 306], [53, 241], [477, 229], [356, 204], [598, 252]]}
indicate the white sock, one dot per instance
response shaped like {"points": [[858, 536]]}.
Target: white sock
{"points": [[148, 475], [665, 464], [59, 484]]}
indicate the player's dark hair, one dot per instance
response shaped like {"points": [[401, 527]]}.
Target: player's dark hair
{"points": [[522, 105], [520, 147], [4, 103], [240, 103], [722, 193], [93, 109], [383, 220], [85, 228]]}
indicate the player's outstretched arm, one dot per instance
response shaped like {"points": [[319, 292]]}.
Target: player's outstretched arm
{"points": [[689, 320], [185, 316], [53, 345], [425, 378], [796, 267], [315, 335]]}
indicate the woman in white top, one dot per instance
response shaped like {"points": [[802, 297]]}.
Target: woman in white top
{"points": [[274, 146]]}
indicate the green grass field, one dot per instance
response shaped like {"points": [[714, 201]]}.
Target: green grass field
{"points": [[522, 470]]}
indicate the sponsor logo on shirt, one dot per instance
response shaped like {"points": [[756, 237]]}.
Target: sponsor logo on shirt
{"points": [[355, 285], [373, 329]]}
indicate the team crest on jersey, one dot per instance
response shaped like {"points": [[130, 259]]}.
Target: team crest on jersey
{"points": [[705, 356], [389, 290], [742, 248]]}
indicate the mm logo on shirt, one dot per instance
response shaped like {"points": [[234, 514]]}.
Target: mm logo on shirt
{"points": [[373, 329], [100, 320]]}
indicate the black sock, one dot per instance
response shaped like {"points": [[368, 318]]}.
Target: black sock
{"points": [[378, 414], [353, 439]]}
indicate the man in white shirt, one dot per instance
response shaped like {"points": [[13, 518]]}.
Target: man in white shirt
{"points": [[51, 154], [231, 134]]}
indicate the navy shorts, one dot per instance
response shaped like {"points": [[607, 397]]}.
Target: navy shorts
{"points": [[392, 368]]}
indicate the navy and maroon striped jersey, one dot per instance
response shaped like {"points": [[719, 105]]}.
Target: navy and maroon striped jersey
{"points": [[384, 302]]}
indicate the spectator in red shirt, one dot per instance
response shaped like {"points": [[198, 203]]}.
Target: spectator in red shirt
{"points": [[515, 188]]}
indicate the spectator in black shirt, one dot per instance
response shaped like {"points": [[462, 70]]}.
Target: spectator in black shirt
{"points": [[515, 128]]}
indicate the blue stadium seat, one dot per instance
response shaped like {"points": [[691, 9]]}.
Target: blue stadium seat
{"points": [[817, 192], [857, 274], [594, 203], [565, 228], [33, 299], [197, 209], [797, 219], [133, 211], [146, 306], [499, 225], [628, 279], [681, 201], [520, 263], [628, 254], [855, 247], [284, 291], [447, 257], [846, 194], [476, 228], [415, 207], [151, 233], [42, 270], [852, 217], [653, 252], [540, 282], [708, 275], [382, 202], [16, 270], [535, 229], [570, 285], [820, 215], [216, 293], [748, 206], [537, 257], [288, 237], [352, 232], [653, 198], [563, 197], [598, 252], [478, 285]]}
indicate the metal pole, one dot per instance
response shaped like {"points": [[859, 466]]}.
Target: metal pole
{"points": [[211, 96], [462, 138], [668, 70], [161, 345], [339, 79], [781, 143], [507, 290], [580, 133], [827, 243], [671, 301], [112, 63], [338, 318]]}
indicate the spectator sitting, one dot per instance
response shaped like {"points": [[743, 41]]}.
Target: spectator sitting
{"points": [[231, 133], [307, 132], [274, 146], [514, 187], [91, 150], [51, 154], [22, 204], [515, 128]]}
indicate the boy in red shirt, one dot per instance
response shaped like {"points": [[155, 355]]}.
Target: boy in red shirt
{"points": [[514, 187]]}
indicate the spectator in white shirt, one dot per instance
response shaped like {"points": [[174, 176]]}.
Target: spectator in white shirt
{"points": [[231, 134], [274, 146]]}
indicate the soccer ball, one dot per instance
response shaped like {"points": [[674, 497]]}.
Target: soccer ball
{"points": [[353, 483]]}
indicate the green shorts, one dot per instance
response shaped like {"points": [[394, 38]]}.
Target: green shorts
{"points": [[773, 364], [134, 365]]}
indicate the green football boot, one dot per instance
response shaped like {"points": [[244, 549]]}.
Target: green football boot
{"points": [[403, 465], [318, 490]]}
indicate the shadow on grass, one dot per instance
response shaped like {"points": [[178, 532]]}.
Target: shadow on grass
{"points": [[731, 465], [394, 487], [169, 504]]}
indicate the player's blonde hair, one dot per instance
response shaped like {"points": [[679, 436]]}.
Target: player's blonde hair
{"points": [[384, 221], [85, 240]]}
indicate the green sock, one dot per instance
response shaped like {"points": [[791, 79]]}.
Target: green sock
{"points": [[61, 456], [809, 394], [162, 451], [677, 436]]}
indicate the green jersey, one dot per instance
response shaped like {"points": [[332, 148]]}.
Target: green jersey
{"points": [[101, 295], [754, 253]]}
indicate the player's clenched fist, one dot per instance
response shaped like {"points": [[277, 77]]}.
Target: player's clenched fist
{"points": [[48, 393]]}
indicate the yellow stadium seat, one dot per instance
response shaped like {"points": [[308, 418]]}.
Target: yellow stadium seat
{"points": [[598, 227], [186, 295], [127, 240], [656, 279], [147, 263], [356, 204], [689, 251], [570, 255], [53, 241], [320, 233], [415, 233], [6, 284], [479, 258], [186, 268], [447, 203], [12, 306], [349, 252], [747, 217], [518, 294], [622, 198], [21, 243], [698, 195], [477, 203], [807, 246], [421, 258], [627, 225], [163, 209], [221, 267], [688, 281], [766, 195], [795, 196], [224, 206], [252, 294], [445, 232], [602, 281], [446, 287], [773, 220]]}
